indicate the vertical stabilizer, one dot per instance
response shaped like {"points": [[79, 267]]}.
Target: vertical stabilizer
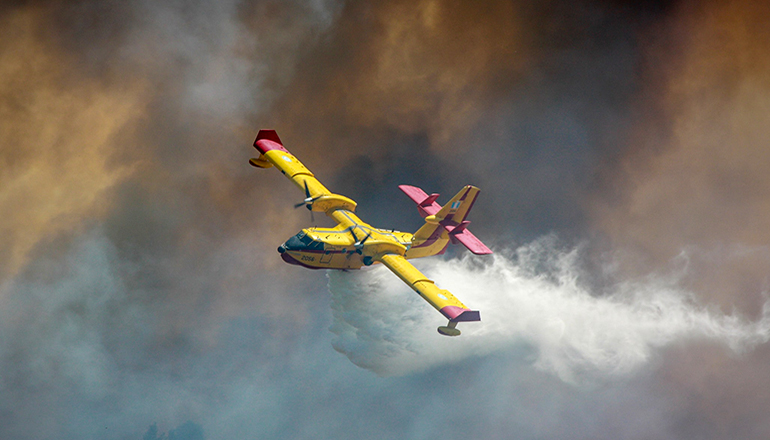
{"points": [[456, 210]]}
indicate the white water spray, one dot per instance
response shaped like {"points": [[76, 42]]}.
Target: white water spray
{"points": [[531, 299]]}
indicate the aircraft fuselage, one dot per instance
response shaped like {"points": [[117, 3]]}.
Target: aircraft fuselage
{"points": [[352, 244], [348, 245]]}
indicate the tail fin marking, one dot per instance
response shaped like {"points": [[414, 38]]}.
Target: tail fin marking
{"points": [[455, 211]]}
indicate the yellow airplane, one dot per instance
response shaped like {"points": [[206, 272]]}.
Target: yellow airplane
{"points": [[354, 243]]}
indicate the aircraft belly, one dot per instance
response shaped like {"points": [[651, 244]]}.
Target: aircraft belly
{"points": [[297, 259]]}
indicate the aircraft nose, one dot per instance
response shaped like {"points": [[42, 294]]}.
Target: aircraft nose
{"points": [[281, 249], [292, 243]]}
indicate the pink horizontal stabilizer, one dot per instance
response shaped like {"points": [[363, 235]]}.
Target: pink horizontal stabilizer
{"points": [[470, 241], [454, 230], [268, 140], [425, 204], [459, 314], [429, 200]]}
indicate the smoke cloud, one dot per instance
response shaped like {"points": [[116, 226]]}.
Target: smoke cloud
{"points": [[57, 136], [695, 179], [140, 292]]}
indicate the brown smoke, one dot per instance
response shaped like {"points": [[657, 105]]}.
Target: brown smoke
{"points": [[695, 195], [698, 183], [57, 132], [429, 68]]}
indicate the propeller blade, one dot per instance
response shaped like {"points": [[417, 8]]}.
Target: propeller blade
{"points": [[360, 244], [308, 200]]}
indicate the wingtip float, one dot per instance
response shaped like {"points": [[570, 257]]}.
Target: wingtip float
{"points": [[353, 243]]}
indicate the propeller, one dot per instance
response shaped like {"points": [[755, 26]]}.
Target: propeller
{"points": [[360, 244], [308, 202]]}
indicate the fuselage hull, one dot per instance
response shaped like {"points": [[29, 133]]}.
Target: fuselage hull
{"points": [[353, 244]]}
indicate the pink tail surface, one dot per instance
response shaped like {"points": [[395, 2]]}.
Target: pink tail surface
{"points": [[451, 216]]}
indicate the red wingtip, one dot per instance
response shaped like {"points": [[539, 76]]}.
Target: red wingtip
{"points": [[268, 140], [270, 135], [459, 314]]}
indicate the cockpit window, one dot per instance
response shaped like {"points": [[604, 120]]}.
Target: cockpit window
{"points": [[313, 245], [304, 241]]}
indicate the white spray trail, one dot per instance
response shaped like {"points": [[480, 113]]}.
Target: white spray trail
{"points": [[531, 299]]}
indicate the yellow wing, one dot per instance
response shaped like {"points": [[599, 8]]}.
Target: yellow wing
{"points": [[441, 299], [317, 197]]}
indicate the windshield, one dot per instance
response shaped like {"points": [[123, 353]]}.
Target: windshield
{"points": [[303, 241]]}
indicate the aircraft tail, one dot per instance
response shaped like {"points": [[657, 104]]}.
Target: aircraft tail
{"points": [[449, 219], [455, 211]]}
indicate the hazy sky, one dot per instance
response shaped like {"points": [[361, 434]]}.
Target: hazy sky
{"points": [[621, 149]]}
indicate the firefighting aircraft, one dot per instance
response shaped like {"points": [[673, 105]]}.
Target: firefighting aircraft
{"points": [[354, 243]]}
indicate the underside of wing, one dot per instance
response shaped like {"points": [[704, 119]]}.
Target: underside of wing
{"points": [[442, 300]]}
